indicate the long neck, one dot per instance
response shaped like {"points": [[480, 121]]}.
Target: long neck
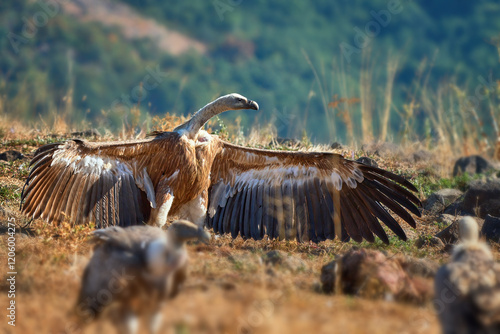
{"points": [[201, 117]]}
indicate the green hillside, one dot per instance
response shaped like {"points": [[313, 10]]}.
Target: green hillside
{"points": [[293, 57]]}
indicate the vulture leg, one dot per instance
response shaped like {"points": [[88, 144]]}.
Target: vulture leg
{"points": [[196, 209], [126, 321], [155, 321], [159, 214]]}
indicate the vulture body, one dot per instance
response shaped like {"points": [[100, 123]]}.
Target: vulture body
{"points": [[133, 271], [197, 176], [467, 289]]}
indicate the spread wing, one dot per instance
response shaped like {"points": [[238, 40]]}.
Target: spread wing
{"points": [[305, 195], [107, 183]]}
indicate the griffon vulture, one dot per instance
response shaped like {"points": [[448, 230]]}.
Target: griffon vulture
{"points": [[468, 288], [233, 189], [133, 271]]}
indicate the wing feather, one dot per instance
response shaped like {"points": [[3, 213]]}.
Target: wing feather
{"points": [[301, 213], [248, 216], [302, 195], [288, 211], [236, 214], [59, 188], [327, 214], [107, 183]]}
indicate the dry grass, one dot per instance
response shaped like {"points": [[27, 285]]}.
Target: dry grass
{"points": [[230, 289]]}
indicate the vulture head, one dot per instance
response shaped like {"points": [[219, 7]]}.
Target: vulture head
{"points": [[236, 101], [232, 101], [469, 240], [181, 231]]}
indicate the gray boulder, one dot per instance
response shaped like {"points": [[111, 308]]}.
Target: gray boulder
{"points": [[440, 200], [86, 133], [450, 234], [372, 274], [337, 146], [11, 155], [473, 164], [483, 198]]}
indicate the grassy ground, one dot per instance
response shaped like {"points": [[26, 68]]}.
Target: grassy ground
{"points": [[230, 289]]}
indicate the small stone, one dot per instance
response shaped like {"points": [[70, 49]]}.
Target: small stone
{"points": [[446, 219], [483, 198], [454, 209], [86, 133], [473, 164], [11, 155], [450, 234], [372, 274], [337, 146], [329, 277], [284, 141], [368, 161], [440, 200]]}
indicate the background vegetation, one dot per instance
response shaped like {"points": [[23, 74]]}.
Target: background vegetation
{"points": [[430, 73]]}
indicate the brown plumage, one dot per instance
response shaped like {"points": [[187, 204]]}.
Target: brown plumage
{"points": [[133, 271], [233, 189]]}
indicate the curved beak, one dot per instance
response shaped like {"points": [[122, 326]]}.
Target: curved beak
{"points": [[252, 105]]}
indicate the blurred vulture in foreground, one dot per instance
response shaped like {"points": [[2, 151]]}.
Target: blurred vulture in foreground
{"points": [[133, 271], [194, 175], [468, 288]]}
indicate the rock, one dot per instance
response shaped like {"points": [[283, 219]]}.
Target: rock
{"points": [[370, 273], [329, 276], [87, 133], [454, 209], [473, 164], [278, 258], [450, 234], [337, 146], [446, 219], [491, 229], [368, 161], [438, 201], [284, 141], [429, 241], [11, 155], [483, 198]]}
